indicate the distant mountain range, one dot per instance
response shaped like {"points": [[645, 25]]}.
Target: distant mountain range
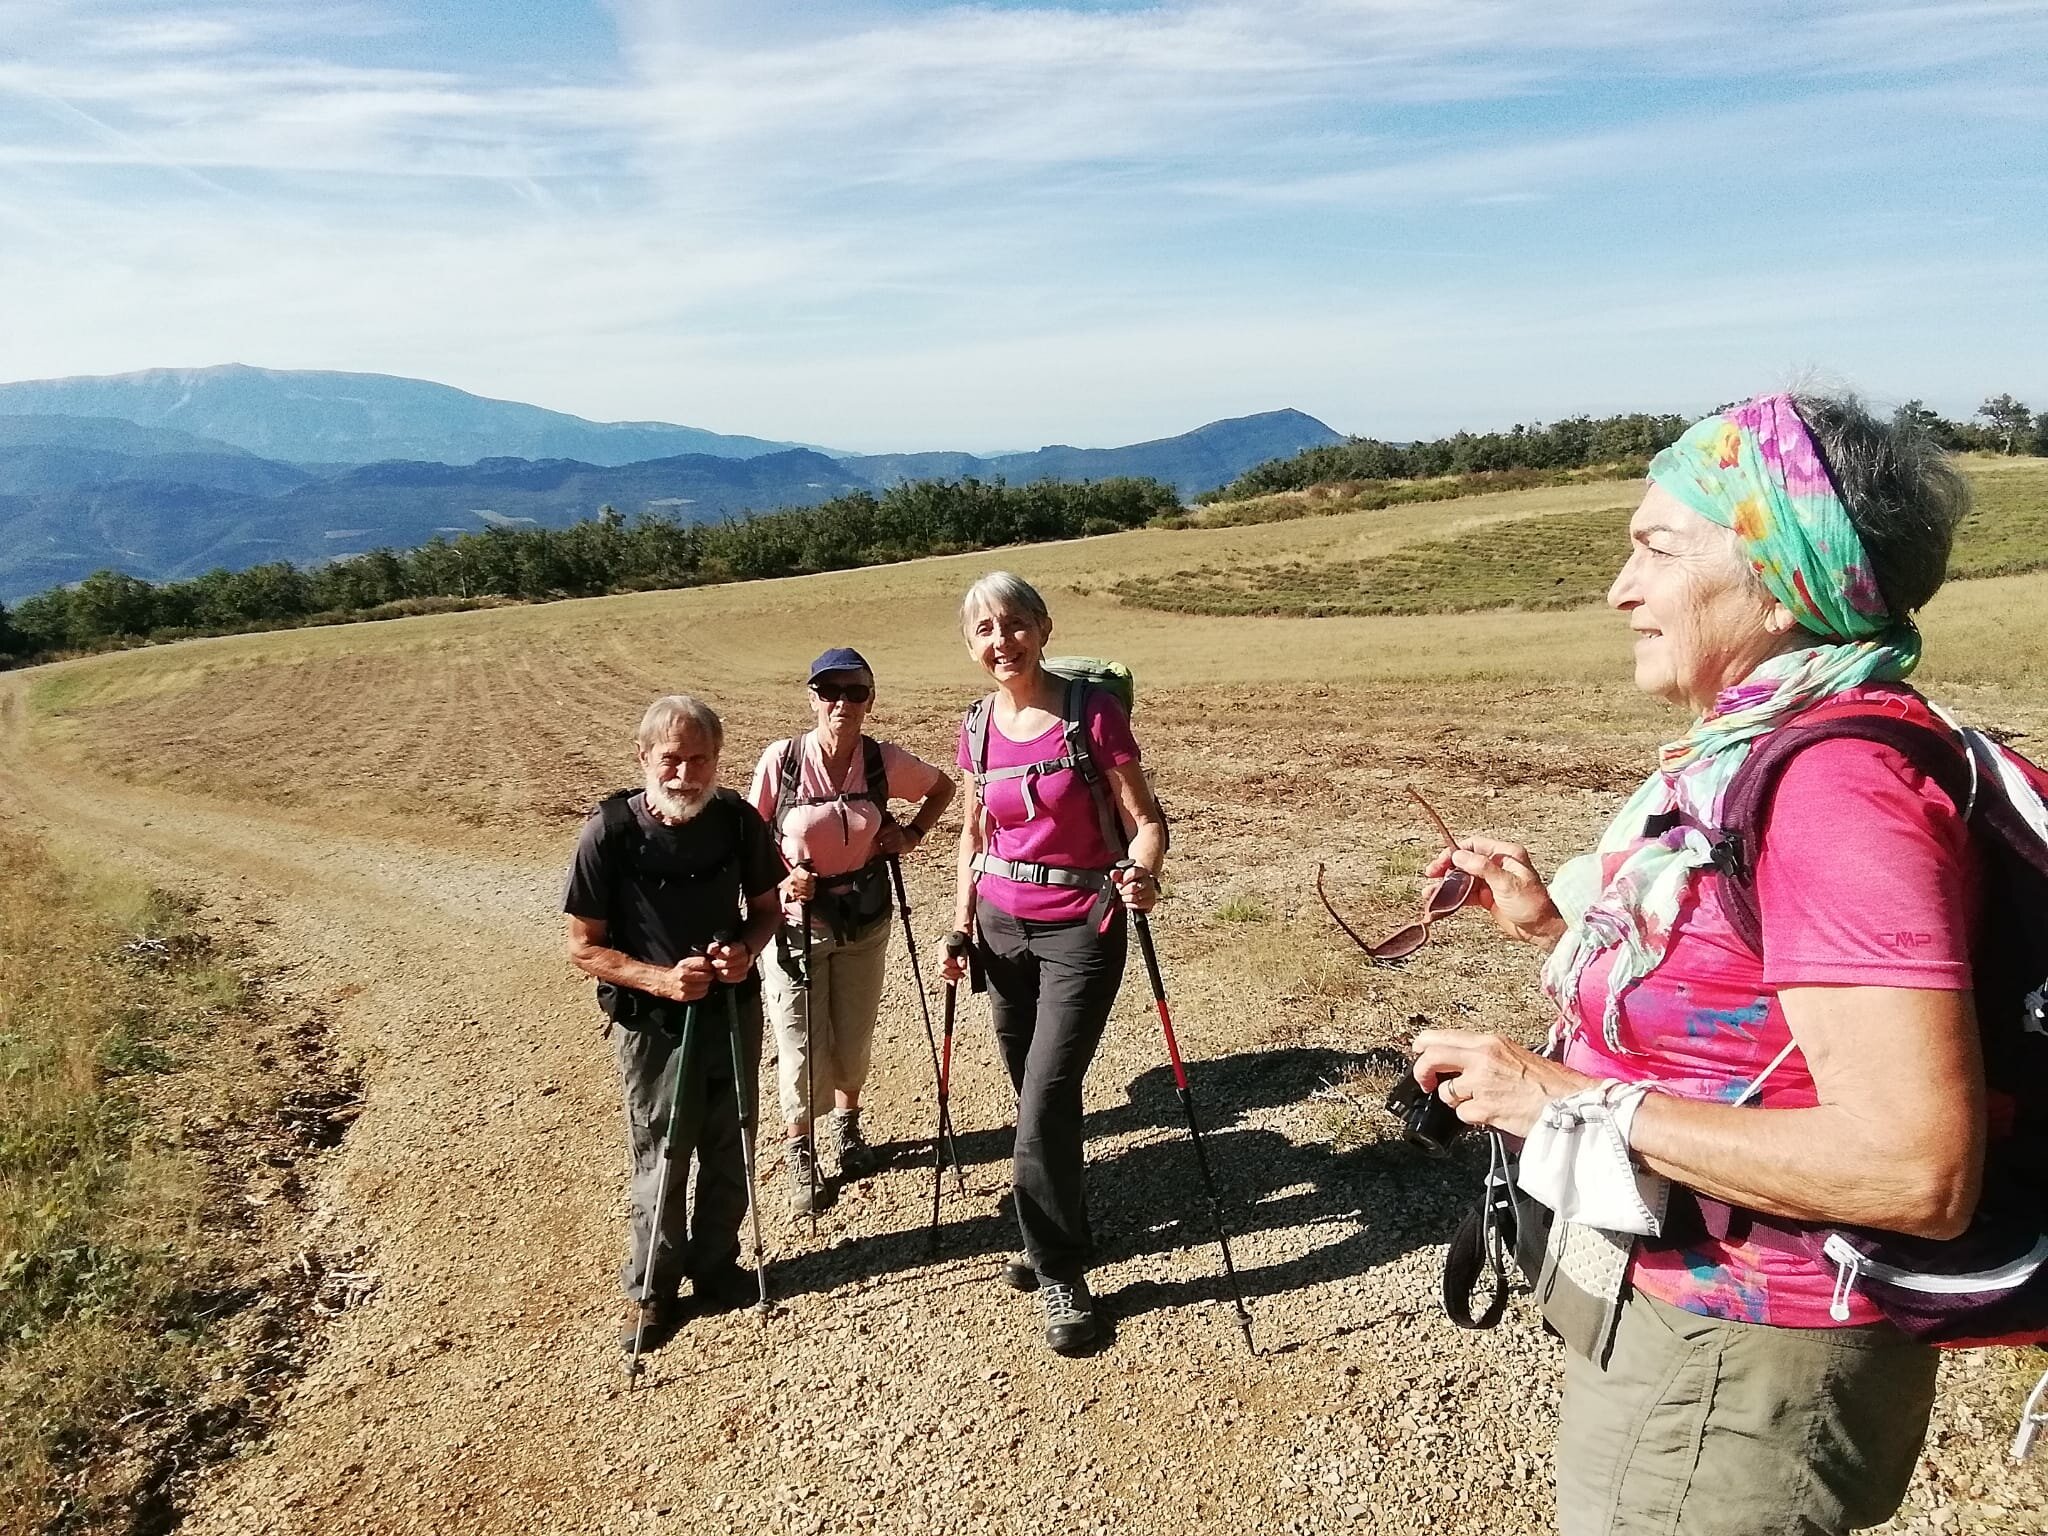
{"points": [[161, 478], [358, 418]]}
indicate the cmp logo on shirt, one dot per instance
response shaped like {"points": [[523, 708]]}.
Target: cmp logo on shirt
{"points": [[1906, 941]]}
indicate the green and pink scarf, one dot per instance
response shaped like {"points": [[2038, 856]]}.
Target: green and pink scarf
{"points": [[1753, 469]]}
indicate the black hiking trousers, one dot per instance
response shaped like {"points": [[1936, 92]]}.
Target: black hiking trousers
{"points": [[1050, 988], [701, 1218]]}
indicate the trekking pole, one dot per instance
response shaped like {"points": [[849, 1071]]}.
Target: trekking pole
{"points": [[1187, 1105], [945, 1131], [945, 1118], [803, 982], [748, 1092], [681, 1058]]}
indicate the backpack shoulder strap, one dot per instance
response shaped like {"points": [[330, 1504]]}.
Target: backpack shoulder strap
{"points": [[1927, 746], [977, 733], [616, 821], [1074, 720], [788, 776], [875, 768]]}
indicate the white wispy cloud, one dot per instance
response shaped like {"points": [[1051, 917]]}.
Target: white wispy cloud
{"points": [[814, 220]]}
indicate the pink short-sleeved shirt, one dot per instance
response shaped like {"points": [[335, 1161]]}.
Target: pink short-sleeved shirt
{"points": [[1865, 877], [1059, 824], [839, 838]]}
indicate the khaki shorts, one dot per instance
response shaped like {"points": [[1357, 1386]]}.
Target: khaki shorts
{"points": [[1703, 1427]]}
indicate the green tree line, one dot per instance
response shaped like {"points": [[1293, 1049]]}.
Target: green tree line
{"points": [[2001, 424], [607, 553]]}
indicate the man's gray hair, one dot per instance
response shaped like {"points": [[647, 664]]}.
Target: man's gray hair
{"points": [[999, 591], [665, 714]]}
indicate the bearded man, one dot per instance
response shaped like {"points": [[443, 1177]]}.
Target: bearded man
{"points": [[673, 892]]}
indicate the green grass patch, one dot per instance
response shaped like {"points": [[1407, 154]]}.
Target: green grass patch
{"points": [[2006, 533], [1241, 907], [99, 1262], [1339, 496], [1554, 560], [1560, 561]]}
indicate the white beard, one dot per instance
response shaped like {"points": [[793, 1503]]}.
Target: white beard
{"points": [[675, 807]]}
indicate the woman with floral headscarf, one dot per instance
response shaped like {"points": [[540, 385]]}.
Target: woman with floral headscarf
{"points": [[1724, 1383]]}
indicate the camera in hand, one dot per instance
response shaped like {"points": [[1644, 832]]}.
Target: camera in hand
{"points": [[1425, 1119]]}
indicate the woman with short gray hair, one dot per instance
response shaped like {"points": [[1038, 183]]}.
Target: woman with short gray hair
{"points": [[1719, 1375], [1061, 837]]}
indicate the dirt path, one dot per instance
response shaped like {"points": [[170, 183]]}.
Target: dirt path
{"points": [[480, 1389]]}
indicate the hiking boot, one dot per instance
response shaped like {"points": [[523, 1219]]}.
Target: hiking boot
{"points": [[725, 1289], [661, 1317], [806, 1198], [855, 1157], [1018, 1274], [1069, 1314]]}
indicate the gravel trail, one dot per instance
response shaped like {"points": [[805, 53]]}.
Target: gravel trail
{"points": [[479, 1387]]}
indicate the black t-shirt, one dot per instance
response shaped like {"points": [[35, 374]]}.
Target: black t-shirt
{"points": [[666, 893]]}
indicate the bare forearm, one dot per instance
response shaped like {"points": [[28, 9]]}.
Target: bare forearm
{"points": [[616, 967], [1148, 845], [1826, 1163], [963, 897]]}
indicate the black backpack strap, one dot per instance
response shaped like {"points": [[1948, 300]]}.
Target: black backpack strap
{"points": [[1934, 752], [618, 825], [788, 776], [875, 767]]}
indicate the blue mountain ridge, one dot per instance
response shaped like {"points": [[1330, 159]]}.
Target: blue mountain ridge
{"points": [[79, 494]]}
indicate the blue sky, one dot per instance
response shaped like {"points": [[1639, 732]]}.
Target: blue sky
{"points": [[881, 224]]}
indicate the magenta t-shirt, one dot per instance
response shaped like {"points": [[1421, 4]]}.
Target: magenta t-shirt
{"points": [[1865, 870], [1059, 824]]}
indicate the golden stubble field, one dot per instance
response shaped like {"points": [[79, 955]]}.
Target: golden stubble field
{"points": [[386, 808]]}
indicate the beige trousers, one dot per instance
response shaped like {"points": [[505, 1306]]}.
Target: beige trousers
{"points": [[845, 996]]}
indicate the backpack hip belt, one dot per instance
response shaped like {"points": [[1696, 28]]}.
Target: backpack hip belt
{"points": [[1026, 872]]}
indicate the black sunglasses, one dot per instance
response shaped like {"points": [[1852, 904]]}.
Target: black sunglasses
{"points": [[852, 693]]}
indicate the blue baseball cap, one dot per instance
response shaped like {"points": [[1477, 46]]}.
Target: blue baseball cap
{"points": [[841, 658]]}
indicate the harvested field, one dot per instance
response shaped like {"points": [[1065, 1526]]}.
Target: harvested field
{"points": [[397, 801]]}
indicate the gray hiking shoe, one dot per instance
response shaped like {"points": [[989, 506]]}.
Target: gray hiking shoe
{"points": [[1069, 1314], [805, 1195], [855, 1157], [1018, 1274]]}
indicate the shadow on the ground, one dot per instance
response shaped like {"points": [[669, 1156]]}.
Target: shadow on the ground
{"points": [[1382, 1199]]}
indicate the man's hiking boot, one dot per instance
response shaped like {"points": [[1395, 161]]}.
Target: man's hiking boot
{"points": [[1069, 1314], [1018, 1274], [725, 1290], [661, 1316], [855, 1157], [805, 1195]]}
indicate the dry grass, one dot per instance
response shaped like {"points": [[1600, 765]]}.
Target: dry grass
{"points": [[97, 1222]]}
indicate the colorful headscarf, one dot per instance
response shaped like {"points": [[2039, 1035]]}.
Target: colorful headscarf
{"points": [[1753, 469]]}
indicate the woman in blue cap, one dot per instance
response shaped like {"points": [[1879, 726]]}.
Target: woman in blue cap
{"points": [[826, 795]]}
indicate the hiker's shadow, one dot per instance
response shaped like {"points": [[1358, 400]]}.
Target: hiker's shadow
{"points": [[1329, 1213]]}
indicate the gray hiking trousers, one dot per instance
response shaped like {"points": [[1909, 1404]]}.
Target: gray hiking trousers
{"points": [[701, 1219]]}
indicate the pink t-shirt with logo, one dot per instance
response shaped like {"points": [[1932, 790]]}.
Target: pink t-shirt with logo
{"points": [[838, 838], [1866, 877], [1059, 823]]}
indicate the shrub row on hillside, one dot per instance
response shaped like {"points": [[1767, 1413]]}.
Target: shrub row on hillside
{"points": [[1578, 442], [608, 553]]}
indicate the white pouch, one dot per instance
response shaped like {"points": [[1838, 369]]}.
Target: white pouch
{"points": [[1576, 1162]]}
